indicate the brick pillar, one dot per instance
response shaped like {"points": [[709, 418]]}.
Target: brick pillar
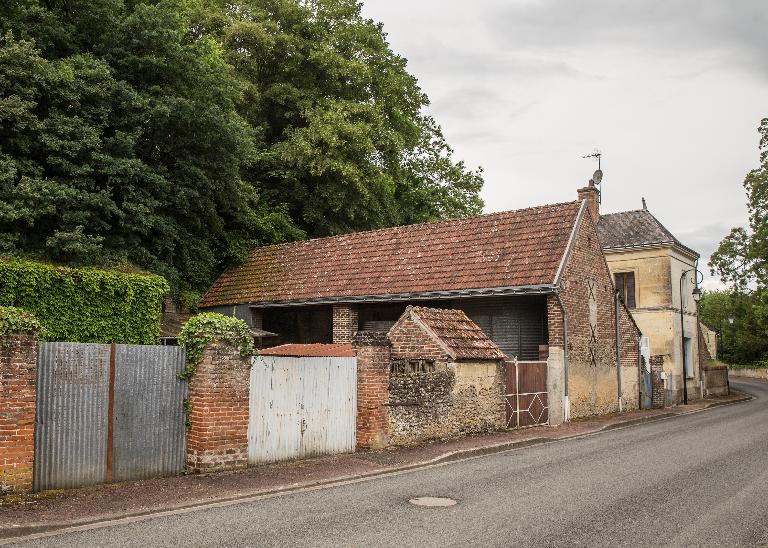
{"points": [[18, 393], [373, 358], [344, 322], [218, 395], [658, 395]]}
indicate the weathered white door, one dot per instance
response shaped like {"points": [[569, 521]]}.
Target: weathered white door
{"points": [[301, 407]]}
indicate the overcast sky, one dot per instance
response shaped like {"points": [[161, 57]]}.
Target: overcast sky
{"points": [[671, 91]]}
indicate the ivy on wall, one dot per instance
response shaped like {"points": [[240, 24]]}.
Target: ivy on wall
{"points": [[15, 320], [203, 329], [86, 304]]}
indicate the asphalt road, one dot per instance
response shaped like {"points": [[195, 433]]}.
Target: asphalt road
{"points": [[695, 480]]}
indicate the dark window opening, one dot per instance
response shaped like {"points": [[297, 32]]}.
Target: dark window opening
{"points": [[625, 285], [300, 325]]}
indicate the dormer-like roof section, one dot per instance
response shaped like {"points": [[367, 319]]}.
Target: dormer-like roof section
{"points": [[633, 229], [511, 249], [456, 333]]}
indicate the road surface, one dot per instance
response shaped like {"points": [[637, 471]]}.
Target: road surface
{"points": [[696, 480]]}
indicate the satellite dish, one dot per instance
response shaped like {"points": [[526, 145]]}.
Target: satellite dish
{"points": [[597, 176]]}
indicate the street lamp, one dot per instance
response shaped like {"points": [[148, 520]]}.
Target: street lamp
{"points": [[696, 293]]}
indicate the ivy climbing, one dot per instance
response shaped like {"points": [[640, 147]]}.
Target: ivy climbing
{"points": [[86, 304], [203, 329]]}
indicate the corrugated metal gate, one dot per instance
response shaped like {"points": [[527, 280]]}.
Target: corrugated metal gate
{"points": [[301, 407], [526, 394], [108, 413]]}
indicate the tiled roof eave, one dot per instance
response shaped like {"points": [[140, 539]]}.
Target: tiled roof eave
{"points": [[652, 245], [430, 295]]}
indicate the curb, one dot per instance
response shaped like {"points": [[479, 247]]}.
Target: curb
{"points": [[12, 534]]}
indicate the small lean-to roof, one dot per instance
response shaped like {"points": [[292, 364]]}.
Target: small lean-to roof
{"points": [[500, 250], [310, 351], [636, 228], [453, 330]]}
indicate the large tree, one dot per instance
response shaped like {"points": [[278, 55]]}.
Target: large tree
{"points": [[741, 261], [176, 134], [742, 257]]}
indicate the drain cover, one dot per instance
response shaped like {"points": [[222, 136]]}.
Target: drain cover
{"points": [[432, 501]]}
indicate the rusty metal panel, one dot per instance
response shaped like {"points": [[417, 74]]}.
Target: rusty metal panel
{"points": [[148, 426], [527, 400], [301, 407], [72, 401]]}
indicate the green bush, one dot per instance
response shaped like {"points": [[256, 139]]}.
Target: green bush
{"points": [[86, 304], [15, 320], [203, 329]]}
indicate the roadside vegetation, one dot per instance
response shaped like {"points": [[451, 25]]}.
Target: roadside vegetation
{"points": [[741, 261]]}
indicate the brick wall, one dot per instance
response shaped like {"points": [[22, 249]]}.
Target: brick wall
{"points": [[218, 396], [410, 341], [345, 323], [373, 358], [588, 293], [630, 359], [659, 393], [18, 382]]}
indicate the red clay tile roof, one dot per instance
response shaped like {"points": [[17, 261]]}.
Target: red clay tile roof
{"points": [[507, 249], [310, 351], [463, 337]]}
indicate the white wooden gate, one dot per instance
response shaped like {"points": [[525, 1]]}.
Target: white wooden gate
{"points": [[301, 407]]}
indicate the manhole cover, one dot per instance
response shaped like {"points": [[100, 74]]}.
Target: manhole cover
{"points": [[432, 501]]}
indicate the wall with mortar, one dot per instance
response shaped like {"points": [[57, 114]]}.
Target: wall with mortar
{"points": [[218, 396], [457, 399], [18, 391], [749, 373], [588, 294]]}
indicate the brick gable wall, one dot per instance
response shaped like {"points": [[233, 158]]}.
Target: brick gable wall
{"points": [[588, 294]]}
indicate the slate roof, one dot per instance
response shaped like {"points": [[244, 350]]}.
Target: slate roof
{"points": [[310, 350], [461, 336], [508, 249], [634, 228]]}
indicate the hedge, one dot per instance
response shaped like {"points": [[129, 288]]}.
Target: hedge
{"points": [[86, 304]]}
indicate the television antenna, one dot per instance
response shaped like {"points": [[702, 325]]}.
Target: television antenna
{"points": [[597, 176]]}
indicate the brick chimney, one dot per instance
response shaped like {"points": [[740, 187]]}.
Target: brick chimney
{"points": [[591, 195]]}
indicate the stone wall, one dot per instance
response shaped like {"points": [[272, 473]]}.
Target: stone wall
{"points": [[750, 373], [18, 392], [218, 395], [716, 380], [456, 399]]}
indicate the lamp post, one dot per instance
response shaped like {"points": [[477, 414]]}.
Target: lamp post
{"points": [[696, 297]]}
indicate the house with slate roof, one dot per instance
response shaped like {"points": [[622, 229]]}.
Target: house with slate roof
{"points": [[647, 263], [534, 280]]}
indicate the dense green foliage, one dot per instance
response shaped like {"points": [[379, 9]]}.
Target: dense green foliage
{"points": [[746, 340], [86, 304], [15, 320], [177, 134], [741, 260], [203, 329]]}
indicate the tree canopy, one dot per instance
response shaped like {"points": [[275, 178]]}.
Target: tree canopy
{"points": [[177, 134], [741, 261]]}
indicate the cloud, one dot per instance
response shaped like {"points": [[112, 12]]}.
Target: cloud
{"points": [[737, 31], [492, 64]]}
